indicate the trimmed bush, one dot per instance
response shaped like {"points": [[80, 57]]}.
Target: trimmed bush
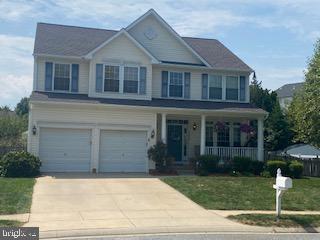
{"points": [[242, 164], [207, 164], [273, 165], [158, 154], [19, 164], [296, 169]]}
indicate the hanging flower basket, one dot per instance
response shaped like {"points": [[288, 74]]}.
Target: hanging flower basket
{"points": [[246, 128], [220, 126]]}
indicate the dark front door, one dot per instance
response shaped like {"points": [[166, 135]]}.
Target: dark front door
{"points": [[175, 141]]}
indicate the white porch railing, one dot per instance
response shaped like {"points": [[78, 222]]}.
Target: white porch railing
{"points": [[230, 152]]}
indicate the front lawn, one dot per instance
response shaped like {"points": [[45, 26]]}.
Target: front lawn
{"points": [[246, 193], [15, 195], [10, 223], [269, 220]]}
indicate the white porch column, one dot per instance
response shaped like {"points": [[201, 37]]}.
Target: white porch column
{"points": [[260, 152], [164, 127], [203, 135]]}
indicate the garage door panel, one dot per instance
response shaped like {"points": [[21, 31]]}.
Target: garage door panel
{"points": [[123, 151], [63, 150]]}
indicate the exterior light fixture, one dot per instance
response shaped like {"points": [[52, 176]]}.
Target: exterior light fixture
{"points": [[34, 130], [152, 133], [194, 126]]}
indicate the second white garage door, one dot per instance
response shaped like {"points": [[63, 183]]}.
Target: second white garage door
{"points": [[123, 151]]}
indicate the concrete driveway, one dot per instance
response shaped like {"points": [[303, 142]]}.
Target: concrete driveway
{"points": [[65, 205]]}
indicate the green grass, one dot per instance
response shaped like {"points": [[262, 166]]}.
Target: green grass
{"points": [[269, 220], [10, 223], [246, 193], [15, 195]]}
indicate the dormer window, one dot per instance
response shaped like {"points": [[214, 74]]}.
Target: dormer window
{"points": [[62, 77]]}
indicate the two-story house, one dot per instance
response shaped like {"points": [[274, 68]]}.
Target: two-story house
{"points": [[101, 97]]}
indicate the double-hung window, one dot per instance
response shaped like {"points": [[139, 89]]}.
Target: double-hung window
{"points": [[209, 134], [62, 77], [232, 88], [215, 87], [176, 84], [111, 78], [131, 80], [223, 136]]}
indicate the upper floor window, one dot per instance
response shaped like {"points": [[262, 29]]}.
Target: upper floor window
{"points": [[176, 84], [215, 87], [111, 78], [62, 77], [131, 79], [232, 88]]}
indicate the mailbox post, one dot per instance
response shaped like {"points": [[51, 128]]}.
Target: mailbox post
{"points": [[282, 184]]}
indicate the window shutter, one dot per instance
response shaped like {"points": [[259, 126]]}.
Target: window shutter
{"points": [[99, 77], [143, 80], [164, 89], [242, 88], [204, 86], [48, 76], [75, 78], [187, 77]]}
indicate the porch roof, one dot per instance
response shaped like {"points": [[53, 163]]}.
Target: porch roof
{"points": [[37, 96]]}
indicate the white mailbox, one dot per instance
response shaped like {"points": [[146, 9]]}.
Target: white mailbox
{"points": [[284, 182]]}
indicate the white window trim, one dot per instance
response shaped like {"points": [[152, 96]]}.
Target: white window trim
{"points": [[222, 85], [121, 78], [103, 73], [70, 77], [168, 88]]}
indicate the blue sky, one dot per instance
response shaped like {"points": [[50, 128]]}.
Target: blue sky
{"points": [[273, 37]]}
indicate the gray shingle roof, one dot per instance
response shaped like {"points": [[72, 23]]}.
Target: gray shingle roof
{"points": [[216, 54], [155, 102], [53, 39], [288, 90]]}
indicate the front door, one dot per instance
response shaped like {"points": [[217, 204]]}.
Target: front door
{"points": [[175, 141]]}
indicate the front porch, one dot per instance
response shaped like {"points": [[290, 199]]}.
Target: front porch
{"points": [[188, 136]]}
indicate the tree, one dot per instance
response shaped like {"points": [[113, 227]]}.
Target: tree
{"points": [[304, 111], [277, 134], [22, 107]]}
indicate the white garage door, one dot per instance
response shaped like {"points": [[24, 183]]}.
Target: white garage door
{"points": [[123, 151], [65, 150]]}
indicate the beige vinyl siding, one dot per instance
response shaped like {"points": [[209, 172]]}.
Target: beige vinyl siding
{"points": [[87, 117], [164, 46], [83, 72], [195, 82], [121, 51]]}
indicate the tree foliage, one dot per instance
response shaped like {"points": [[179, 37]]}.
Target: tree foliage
{"points": [[304, 111], [277, 133], [22, 107]]}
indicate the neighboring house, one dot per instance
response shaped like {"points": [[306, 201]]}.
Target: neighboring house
{"points": [[286, 92], [101, 97]]}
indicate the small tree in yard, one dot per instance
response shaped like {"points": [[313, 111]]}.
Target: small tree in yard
{"points": [[158, 154]]}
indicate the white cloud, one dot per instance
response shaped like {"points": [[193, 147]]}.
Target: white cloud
{"points": [[16, 66], [13, 10], [273, 78]]}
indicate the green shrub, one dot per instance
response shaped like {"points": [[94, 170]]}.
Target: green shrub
{"points": [[256, 167], [207, 164], [296, 169], [242, 164], [273, 165], [158, 154], [265, 174], [19, 164]]}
